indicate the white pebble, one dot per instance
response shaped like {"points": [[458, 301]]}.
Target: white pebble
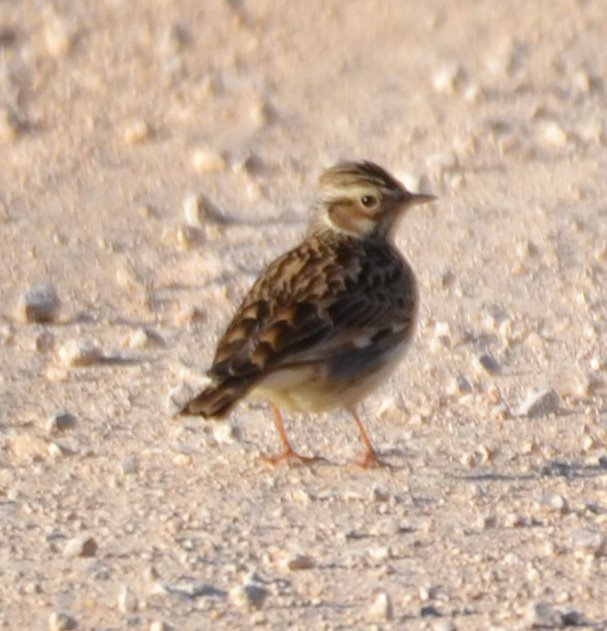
{"points": [[555, 502], [59, 36], [540, 403], [262, 112], [553, 134], [159, 625], [56, 451], [182, 460], [198, 208], [380, 553], [136, 132], [448, 79], [581, 81], [381, 607], [142, 338], [225, 433], [127, 601], [205, 159], [38, 304], [188, 237], [59, 621], [75, 353], [250, 595], [590, 542], [541, 615], [81, 546]]}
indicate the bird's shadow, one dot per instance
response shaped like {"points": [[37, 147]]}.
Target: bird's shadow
{"points": [[552, 469]]}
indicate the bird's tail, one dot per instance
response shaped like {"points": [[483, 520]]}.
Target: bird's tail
{"points": [[217, 399]]}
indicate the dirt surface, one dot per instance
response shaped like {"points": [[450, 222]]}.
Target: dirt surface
{"points": [[115, 117]]}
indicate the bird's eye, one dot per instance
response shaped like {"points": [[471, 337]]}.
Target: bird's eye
{"points": [[368, 201]]}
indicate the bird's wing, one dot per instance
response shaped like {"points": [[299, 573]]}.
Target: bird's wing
{"points": [[312, 304]]}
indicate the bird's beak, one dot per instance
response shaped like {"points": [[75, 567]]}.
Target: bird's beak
{"points": [[420, 198]]}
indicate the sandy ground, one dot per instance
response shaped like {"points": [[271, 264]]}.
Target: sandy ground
{"points": [[114, 115]]}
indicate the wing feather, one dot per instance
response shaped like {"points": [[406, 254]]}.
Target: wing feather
{"points": [[321, 299]]}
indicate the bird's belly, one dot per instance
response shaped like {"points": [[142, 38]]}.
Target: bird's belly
{"points": [[321, 387]]}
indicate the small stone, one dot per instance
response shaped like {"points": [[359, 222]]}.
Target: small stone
{"points": [[486, 522], [56, 450], [380, 553], [250, 595], [143, 338], [188, 314], [429, 611], [447, 80], [44, 341], [381, 607], [59, 422], [556, 503], [225, 433], [198, 209], [581, 82], [56, 374], [182, 460], [444, 625], [500, 61], [300, 562], [127, 601], [59, 36], [553, 134], [262, 112], [513, 520], [78, 353], [487, 363], [251, 164], [129, 466], [379, 494], [159, 625], [458, 386], [136, 132], [81, 546], [38, 304], [206, 159], [540, 403], [59, 621], [188, 237], [589, 542], [541, 615], [588, 443], [470, 459], [9, 125]]}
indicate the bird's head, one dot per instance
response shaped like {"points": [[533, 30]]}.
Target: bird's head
{"points": [[362, 199]]}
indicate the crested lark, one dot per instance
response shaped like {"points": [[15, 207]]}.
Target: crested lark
{"points": [[327, 322]]}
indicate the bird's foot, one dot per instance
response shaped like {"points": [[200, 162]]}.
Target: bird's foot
{"points": [[371, 461], [291, 457]]}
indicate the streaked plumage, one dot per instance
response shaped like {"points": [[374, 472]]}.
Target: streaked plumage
{"points": [[328, 321]]}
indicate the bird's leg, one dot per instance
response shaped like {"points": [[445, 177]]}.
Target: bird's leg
{"points": [[370, 459], [288, 453]]}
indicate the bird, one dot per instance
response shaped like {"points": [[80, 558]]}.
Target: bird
{"points": [[327, 322]]}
